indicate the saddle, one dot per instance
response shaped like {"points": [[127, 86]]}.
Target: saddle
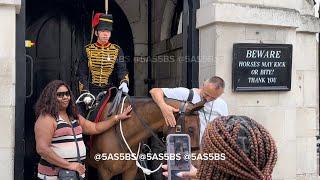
{"points": [[110, 96], [101, 104]]}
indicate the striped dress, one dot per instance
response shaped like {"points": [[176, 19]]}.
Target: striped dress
{"points": [[63, 145]]}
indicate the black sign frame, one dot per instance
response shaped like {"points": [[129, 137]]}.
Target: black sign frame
{"points": [[241, 76]]}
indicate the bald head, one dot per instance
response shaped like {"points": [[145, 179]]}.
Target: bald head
{"points": [[216, 80], [212, 88]]}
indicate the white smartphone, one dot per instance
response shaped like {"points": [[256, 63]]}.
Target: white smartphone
{"points": [[179, 146]]}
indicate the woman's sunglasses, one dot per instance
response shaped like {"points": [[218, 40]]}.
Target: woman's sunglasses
{"points": [[62, 94]]}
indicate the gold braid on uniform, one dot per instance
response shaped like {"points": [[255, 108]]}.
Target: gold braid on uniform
{"points": [[101, 61], [250, 151]]}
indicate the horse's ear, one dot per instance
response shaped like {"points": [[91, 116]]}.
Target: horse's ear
{"points": [[192, 108]]}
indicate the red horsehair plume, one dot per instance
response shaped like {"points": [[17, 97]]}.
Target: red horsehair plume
{"points": [[95, 20]]}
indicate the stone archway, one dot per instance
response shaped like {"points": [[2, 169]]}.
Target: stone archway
{"points": [[167, 19], [171, 20], [136, 13]]}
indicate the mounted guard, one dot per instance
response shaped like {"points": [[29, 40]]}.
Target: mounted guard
{"points": [[102, 67], [103, 64]]}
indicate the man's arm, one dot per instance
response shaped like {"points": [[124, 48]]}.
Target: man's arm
{"points": [[158, 97], [167, 110]]}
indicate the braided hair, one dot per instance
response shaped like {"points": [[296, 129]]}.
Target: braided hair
{"points": [[250, 151]]}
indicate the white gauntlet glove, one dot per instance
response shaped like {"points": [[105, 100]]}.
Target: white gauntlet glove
{"points": [[87, 100], [124, 87]]}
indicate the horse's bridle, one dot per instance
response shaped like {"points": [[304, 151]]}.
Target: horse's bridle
{"points": [[180, 127]]}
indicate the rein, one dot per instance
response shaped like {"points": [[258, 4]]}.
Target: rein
{"points": [[143, 122], [145, 170]]}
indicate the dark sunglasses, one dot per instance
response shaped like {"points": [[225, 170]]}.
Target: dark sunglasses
{"points": [[62, 94]]}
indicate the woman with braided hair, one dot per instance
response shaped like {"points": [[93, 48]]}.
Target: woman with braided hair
{"points": [[250, 151]]}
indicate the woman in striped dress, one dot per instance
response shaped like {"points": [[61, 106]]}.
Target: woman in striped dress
{"points": [[56, 112]]}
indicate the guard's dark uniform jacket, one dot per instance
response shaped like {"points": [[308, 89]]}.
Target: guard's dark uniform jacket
{"points": [[102, 67]]}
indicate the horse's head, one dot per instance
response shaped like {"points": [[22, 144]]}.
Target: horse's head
{"points": [[193, 108], [190, 119]]}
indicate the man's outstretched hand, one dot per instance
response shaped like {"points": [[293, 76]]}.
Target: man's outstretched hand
{"points": [[167, 112]]}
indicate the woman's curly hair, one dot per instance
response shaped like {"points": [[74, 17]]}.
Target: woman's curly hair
{"points": [[250, 151], [48, 104]]}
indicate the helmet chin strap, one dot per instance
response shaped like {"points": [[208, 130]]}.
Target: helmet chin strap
{"points": [[102, 43]]}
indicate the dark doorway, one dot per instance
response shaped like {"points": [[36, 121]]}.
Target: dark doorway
{"points": [[60, 30], [50, 55]]}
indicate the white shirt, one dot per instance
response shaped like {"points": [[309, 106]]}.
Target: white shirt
{"points": [[211, 110]]}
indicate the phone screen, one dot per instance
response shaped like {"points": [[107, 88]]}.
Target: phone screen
{"points": [[179, 145]]}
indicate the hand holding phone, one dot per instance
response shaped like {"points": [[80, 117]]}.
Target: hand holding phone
{"points": [[178, 146], [185, 174]]}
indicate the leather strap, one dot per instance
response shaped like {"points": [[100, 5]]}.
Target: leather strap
{"points": [[180, 122], [143, 122], [75, 140], [115, 103], [180, 127], [190, 96]]}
